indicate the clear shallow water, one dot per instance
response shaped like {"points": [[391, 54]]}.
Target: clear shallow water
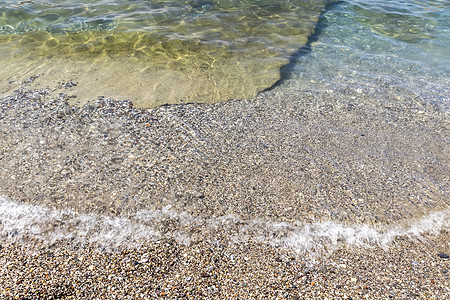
{"points": [[400, 43], [159, 51], [360, 44]]}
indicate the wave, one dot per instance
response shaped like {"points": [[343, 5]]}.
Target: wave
{"points": [[20, 221]]}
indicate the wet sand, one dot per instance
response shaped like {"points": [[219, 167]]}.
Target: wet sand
{"points": [[355, 156]]}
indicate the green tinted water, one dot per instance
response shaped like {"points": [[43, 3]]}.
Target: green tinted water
{"points": [[154, 52]]}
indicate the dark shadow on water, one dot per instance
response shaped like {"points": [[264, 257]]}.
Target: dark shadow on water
{"points": [[287, 70]]}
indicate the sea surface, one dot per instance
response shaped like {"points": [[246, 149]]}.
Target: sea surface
{"points": [[403, 43], [212, 51]]}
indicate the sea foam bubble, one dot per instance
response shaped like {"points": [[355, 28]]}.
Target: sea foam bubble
{"points": [[21, 221]]}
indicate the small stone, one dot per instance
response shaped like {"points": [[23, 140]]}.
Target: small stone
{"points": [[204, 275], [443, 255]]}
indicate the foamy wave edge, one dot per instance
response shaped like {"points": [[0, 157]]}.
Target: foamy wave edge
{"points": [[20, 221]]}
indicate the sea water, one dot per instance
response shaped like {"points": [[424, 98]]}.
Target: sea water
{"points": [[403, 43], [355, 43], [155, 52]]}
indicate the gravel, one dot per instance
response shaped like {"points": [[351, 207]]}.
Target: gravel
{"points": [[409, 268]]}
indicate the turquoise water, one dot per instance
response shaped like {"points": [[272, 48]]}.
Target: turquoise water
{"points": [[399, 43]]}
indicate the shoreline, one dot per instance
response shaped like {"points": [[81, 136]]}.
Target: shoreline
{"points": [[352, 156]]}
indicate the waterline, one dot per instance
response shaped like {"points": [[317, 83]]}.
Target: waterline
{"points": [[24, 221]]}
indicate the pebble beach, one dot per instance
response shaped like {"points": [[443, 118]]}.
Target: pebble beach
{"points": [[210, 197], [408, 269]]}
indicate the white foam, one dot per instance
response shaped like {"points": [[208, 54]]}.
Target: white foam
{"points": [[20, 221], [324, 234]]}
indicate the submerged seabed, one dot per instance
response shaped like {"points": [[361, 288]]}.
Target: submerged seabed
{"points": [[304, 170], [153, 52]]}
